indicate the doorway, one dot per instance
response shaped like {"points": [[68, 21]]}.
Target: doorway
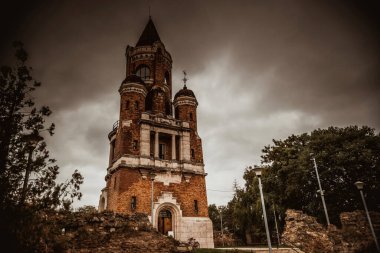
{"points": [[165, 222]]}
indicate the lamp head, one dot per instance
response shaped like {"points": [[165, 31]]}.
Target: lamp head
{"points": [[359, 185], [257, 170], [152, 176]]}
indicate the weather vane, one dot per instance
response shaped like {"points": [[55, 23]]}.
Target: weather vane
{"points": [[184, 78]]}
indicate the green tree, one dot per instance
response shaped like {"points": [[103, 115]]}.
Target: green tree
{"points": [[343, 155], [27, 173], [246, 212]]}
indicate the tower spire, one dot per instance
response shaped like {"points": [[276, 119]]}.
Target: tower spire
{"points": [[184, 79], [149, 35]]}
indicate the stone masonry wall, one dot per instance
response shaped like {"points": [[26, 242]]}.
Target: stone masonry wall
{"points": [[306, 233], [103, 232]]}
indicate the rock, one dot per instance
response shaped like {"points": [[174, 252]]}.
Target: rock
{"points": [[305, 232]]}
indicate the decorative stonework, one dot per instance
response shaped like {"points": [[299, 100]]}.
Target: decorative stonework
{"points": [[133, 87], [169, 178], [184, 100]]}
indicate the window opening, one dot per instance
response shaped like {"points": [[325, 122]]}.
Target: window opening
{"points": [[136, 105], [135, 145], [133, 203], [143, 72], [196, 210], [192, 153], [162, 151]]}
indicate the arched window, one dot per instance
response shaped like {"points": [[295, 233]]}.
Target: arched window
{"points": [[133, 203], [167, 78], [143, 72], [196, 209]]}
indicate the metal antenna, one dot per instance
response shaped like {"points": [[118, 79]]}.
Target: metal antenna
{"points": [[184, 78]]}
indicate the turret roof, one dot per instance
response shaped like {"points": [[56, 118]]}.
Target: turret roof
{"points": [[149, 35], [184, 92]]}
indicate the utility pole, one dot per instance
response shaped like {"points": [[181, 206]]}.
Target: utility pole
{"points": [[321, 191]]}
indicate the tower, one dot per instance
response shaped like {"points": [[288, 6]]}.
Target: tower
{"points": [[155, 149]]}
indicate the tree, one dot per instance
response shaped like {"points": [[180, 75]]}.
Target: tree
{"points": [[246, 212], [27, 173], [343, 155]]}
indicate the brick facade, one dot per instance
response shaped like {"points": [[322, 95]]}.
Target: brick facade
{"points": [[148, 140], [128, 183]]}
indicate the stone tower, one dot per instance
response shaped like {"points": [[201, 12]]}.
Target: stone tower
{"points": [[155, 149]]}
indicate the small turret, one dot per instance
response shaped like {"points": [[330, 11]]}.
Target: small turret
{"points": [[185, 108]]}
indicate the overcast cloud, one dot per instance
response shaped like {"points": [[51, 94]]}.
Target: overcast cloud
{"points": [[261, 70]]}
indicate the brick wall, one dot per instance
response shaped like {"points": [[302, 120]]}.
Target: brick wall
{"points": [[130, 183], [189, 113]]}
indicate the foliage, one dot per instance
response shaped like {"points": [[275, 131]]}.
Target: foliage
{"points": [[27, 173], [87, 209], [343, 156]]}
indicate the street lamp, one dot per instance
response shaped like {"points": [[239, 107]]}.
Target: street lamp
{"points": [[258, 171], [360, 186], [320, 190], [275, 223], [221, 223], [152, 177], [31, 141]]}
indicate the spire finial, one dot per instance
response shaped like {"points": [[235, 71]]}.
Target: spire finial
{"points": [[184, 79], [149, 12]]}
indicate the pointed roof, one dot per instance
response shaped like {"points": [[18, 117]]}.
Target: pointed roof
{"points": [[149, 35]]}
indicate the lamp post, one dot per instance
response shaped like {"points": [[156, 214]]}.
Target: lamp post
{"points": [[320, 190], [152, 177], [31, 142], [275, 223], [360, 186], [221, 223], [258, 171]]}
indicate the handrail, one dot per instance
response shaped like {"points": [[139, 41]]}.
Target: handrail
{"points": [[293, 247], [115, 125]]}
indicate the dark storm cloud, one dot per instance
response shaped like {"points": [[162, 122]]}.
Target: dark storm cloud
{"points": [[260, 70]]}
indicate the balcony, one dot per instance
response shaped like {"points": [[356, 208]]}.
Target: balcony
{"points": [[114, 129]]}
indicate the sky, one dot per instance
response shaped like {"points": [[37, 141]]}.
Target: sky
{"points": [[260, 70]]}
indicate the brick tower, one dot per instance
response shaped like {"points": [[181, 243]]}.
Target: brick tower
{"points": [[155, 146]]}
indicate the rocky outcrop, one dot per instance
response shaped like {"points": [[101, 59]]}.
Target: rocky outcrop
{"points": [[306, 233], [103, 232]]}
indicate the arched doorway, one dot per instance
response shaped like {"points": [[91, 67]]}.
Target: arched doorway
{"points": [[165, 221]]}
